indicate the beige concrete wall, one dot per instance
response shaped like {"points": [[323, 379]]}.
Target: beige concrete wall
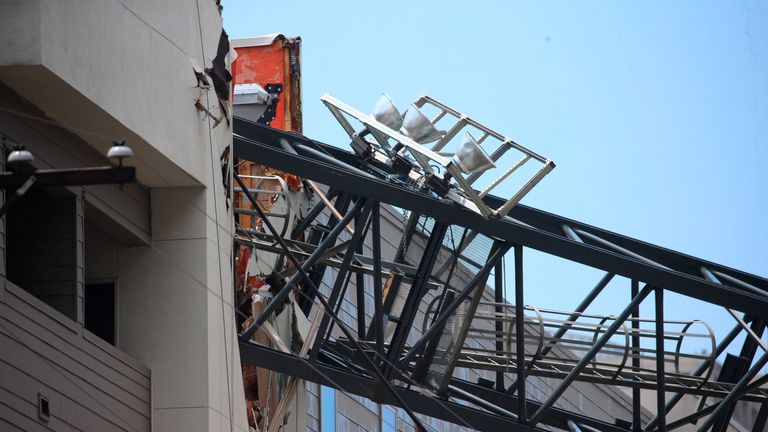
{"points": [[78, 74], [118, 69], [89, 384]]}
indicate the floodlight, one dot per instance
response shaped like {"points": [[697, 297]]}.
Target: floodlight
{"points": [[470, 157], [417, 126], [420, 164], [387, 114]]}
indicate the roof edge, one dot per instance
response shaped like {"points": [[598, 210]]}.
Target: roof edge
{"points": [[263, 40]]}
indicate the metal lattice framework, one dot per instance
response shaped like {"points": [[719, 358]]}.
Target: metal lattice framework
{"points": [[381, 360]]}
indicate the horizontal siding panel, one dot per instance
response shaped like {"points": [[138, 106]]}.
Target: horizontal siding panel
{"points": [[74, 352], [102, 377], [25, 372], [6, 426], [96, 372], [45, 326], [26, 414], [18, 421], [19, 300]]}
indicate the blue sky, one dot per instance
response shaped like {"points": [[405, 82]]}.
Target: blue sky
{"points": [[656, 113]]}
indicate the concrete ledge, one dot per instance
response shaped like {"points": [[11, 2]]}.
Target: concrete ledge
{"points": [[61, 102], [110, 70]]}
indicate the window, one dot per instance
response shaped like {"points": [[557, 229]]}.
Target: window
{"points": [[327, 409], [101, 274], [99, 310], [41, 245], [388, 419]]}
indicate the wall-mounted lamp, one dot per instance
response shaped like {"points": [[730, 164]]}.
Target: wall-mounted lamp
{"points": [[119, 151], [20, 155]]}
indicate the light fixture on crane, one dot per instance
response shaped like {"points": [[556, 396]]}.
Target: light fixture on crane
{"points": [[418, 127], [470, 157], [399, 141], [386, 113]]}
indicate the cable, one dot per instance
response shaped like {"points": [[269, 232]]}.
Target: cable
{"points": [[327, 308], [143, 21], [152, 246], [394, 367], [159, 174], [195, 205], [218, 241]]}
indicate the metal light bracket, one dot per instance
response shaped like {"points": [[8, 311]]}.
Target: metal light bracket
{"points": [[425, 158]]}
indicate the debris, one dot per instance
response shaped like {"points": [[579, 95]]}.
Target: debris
{"points": [[218, 70]]}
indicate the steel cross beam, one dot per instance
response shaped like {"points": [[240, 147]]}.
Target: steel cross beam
{"points": [[525, 226], [285, 290], [415, 295], [721, 346], [335, 297], [504, 402], [556, 417], [478, 284], [537, 416], [348, 381], [734, 395], [246, 335], [748, 351], [692, 418], [434, 329]]}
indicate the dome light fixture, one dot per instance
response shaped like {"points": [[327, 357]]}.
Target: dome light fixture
{"points": [[119, 151], [20, 155]]}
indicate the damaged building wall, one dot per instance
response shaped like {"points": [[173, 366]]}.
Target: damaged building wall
{"points": [[267, 89], [91, 73], [120, 69]]}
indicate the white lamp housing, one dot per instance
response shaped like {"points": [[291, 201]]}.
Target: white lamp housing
{"points": [[387, 114], [20, 155], [119, 151], [417, 126], [470, 157]]}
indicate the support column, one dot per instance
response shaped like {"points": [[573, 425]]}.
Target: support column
{"points": [[520, 334], [660, 374], [635, 325], [498, 285]]}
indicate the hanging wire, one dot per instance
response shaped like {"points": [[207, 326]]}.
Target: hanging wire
{"points": [[178, 266]]}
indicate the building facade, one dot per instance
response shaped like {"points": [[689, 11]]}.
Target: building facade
{"points": [[120, 305], [115, 306]]}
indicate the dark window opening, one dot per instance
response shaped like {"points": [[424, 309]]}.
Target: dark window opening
{"points": [[40, 248], [99, 310]]}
